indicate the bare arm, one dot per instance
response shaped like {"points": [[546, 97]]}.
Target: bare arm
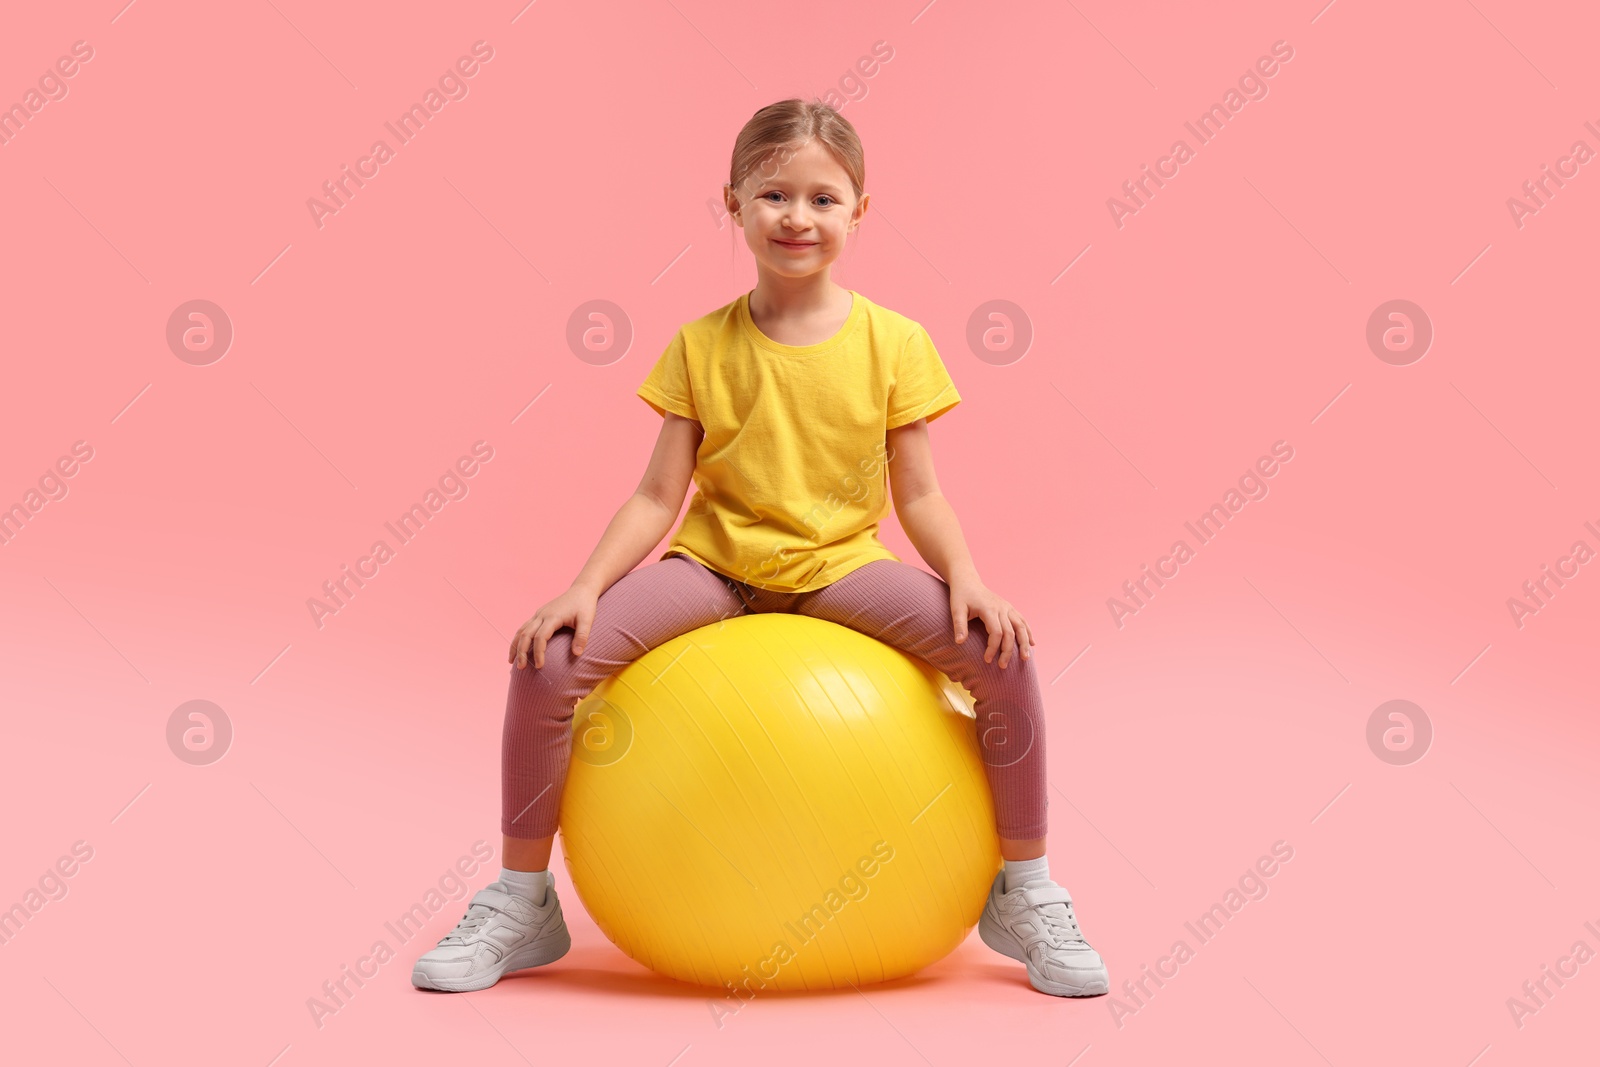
{"points": [[925, 515], [637, 527], [647, 515], [930, 522]]}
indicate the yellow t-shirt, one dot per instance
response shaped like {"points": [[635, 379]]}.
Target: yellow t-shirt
{"points": [[791, 477]]}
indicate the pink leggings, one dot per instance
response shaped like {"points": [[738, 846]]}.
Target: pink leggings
{"points": [[894, 602]]}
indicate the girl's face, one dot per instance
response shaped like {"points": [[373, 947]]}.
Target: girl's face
{"points": [[796, 207]]}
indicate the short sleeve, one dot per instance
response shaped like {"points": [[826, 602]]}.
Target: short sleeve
{"points": [[666, 387], [922, 387]]}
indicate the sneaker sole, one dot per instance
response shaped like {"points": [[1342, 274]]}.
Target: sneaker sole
{"points": [[545, 950], [996, 938]]}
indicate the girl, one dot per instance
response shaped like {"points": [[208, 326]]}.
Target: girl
{"points": [[786, 407]]}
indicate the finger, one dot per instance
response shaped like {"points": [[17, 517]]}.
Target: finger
{"points": [[992, 621], [1019, 628], [580, 638], [958, 620], [1008, 646], [519, 644], [1024, 635], [539, 641]]}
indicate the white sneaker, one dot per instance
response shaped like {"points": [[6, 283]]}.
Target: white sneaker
{"points": [[501, 932], [1034, 923]]}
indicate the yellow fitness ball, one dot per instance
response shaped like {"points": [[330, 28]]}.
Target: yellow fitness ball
{"points": [[779, 802]]}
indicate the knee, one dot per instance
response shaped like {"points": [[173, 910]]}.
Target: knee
{"points": [[973, 649], [977, 643], [542, 690]]}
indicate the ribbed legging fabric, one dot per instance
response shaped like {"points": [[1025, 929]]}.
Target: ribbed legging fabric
{"points": [[894, 602]]}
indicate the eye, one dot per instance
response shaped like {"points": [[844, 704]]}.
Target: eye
{"points": [[825, 196], [771, 194]]}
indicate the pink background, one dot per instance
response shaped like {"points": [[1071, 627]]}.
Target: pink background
{"points": [[427, 314]]}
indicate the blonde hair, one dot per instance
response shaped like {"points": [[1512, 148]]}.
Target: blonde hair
{"points": [[785, 126]]}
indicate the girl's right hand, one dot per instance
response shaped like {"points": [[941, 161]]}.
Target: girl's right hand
{"points": [[574, 608]]}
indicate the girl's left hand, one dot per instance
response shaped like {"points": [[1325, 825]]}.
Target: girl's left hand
{"points": [[1005, 625]]}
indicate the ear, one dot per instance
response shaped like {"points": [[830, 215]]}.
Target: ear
{"points": [[860, 211]]}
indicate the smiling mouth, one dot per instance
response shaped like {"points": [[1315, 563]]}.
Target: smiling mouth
{"points": [[794, 244]]}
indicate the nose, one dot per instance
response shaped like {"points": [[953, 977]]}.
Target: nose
{"points": [[795, 218]]}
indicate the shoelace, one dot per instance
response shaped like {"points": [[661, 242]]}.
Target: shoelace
{"points": [[475, 917], [1060, 922]]}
